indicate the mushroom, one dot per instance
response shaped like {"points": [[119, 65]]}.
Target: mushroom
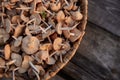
{"points": [[58, 28], [76, 36], [27, 1], [66, 46], [40, 69], [47, 34], [7, 51], [25, 64], [8, 25], [15, 19], [50, 61], [36, 17], [17, 58], [4, 36], [76, 15], [30, 44], [18, 41], [60, 16], [57, 43], [68, 6], [69, 21], [2, 62], [42, 55], [18, 30], [55, 7], [23, 17], [15, 49], [46, 46]]}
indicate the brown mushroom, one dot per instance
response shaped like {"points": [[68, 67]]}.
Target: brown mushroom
{"points": [[14, 1], [69, 21], [25, 64], [17, 58], [66, 46], [69, 6], [40, 69], [4, 36], [7, 51], [8, 25], [18, 30], [58, 28], [36, 17], [77, 15], [23, 17], [50, 61], [55, 7], [30, 44], [60, 16], [18, 41], [46, 46], [76, 36], [57, 43], [2, 62], [15, 19], [42, 55]]}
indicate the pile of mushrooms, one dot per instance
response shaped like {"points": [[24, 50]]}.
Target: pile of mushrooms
{"points": [[35, 34]]}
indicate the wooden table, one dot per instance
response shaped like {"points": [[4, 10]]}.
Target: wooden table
{"points": [[98, 57]]}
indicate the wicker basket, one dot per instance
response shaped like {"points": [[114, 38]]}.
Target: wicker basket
{"points": [[59, 65]]}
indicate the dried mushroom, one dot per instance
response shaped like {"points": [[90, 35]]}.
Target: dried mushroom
{"points": [[30, 44], [25, 64], [36, 34], [7, 51], [4, 36], [57, 43], [17, 58]]}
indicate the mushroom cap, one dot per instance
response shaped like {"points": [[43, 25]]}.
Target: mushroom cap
{"points": [[18, 42], [76, 36], [8, 25], [4, 36], [40, 69], [58, 28], [7, 51], [18, 59], [37, 18], [15, 19], [57, 43], [69, 21], [30, 44], [42, 55], [76, 15], [25, 64], [2, 62], [55, 7], [46, 46], [66, 46], [60, 16], [50, 61]]}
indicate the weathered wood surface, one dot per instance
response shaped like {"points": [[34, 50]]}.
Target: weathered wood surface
{"points": [[106, 14], [98, 57]]}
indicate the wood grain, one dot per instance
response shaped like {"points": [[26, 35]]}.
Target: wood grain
{"points": [[106, 14]]}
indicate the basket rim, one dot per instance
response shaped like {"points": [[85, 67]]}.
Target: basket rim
{"points": [[59, 65]]}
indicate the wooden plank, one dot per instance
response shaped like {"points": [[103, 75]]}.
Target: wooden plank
{"points": [[106, 14], [101, 53]]}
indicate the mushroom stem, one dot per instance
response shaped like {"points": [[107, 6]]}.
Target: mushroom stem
{"points": [[38, 78], [53, 53], [67, 2], [32, 65], [57, 1], [14, 72], [61, 58], [47, 10], [30, 21], [1, 50], [43, 29], [26, 8], [69, 28], [11, 62], [2, 67]]}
